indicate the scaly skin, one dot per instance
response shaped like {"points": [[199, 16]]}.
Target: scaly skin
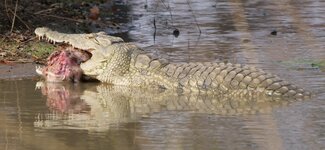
{"points": [[119, 63]]}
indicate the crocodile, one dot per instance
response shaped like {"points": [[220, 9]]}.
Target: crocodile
{"points": [[113, 61]]}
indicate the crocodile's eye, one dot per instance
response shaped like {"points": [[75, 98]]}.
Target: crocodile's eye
{"points": [[96, 41], [93, 37], [90, 36]]}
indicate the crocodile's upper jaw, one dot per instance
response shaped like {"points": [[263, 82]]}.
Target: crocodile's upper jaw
{"points": [[93, 41]]}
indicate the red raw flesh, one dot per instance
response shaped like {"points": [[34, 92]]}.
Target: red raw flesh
{"points": [[64, 65]]}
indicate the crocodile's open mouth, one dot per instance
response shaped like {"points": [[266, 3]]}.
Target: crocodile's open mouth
{"points": [[64, 63]]}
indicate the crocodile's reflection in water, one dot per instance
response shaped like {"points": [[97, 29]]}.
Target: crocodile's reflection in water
{"points": [[63, 98], [98, 106]]}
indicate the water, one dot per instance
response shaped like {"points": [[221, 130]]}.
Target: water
{"points": [[94, 116]]}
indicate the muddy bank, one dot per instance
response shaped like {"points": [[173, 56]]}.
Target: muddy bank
{"points": [[18, 71]]}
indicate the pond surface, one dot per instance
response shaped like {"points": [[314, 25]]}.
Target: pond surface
{"points": [[95, 116]]}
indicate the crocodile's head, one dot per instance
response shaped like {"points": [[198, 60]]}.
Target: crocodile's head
{"points": [[69, 63]]}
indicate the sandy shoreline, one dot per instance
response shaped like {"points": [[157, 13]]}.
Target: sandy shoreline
{"points": [[17, 71]]}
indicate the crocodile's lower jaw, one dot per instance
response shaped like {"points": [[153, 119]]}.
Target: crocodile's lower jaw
{"points": [[93, 67]]}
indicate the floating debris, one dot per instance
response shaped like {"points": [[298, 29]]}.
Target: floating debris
{"points": [[274, 32], [176, 32]]}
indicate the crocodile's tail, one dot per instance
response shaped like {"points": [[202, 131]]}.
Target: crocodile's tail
{"points": [[225, 77]]}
